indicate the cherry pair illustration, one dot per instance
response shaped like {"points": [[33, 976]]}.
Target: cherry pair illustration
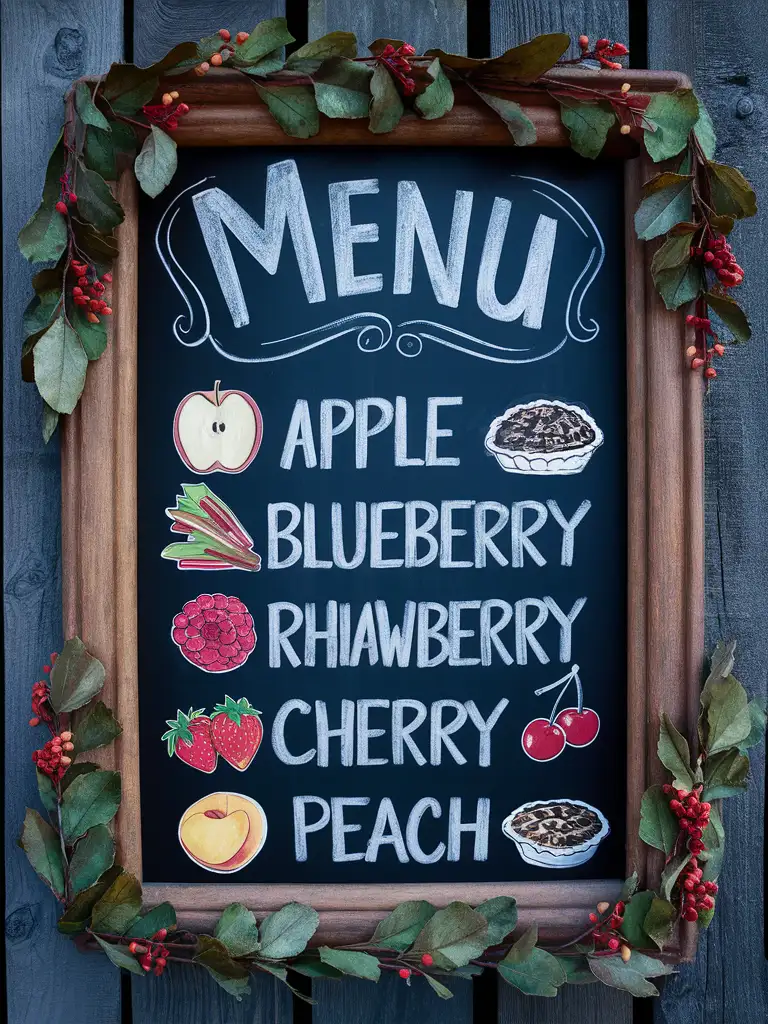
{"points": [[546, 738]]}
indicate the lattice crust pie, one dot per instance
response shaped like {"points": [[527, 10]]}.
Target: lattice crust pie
{"points": [[543, 437], [556, 833]]}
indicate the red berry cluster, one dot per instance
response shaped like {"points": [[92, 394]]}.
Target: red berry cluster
{"points": [[53, 759], [605, 932], [718, 257], [41, 709], [67, 195], [88, 291], [426, 959], [397, 63], [166, 114], [695, 895], [223, 53], [701, 353], [603, 51], [153, 954], [692, 814]]}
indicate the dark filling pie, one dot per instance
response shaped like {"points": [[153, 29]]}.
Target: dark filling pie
{"points": [[557, 825], [544, 428]]}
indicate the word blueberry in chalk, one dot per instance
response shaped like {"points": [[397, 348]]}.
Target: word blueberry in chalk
{"points": [[217, 431]]}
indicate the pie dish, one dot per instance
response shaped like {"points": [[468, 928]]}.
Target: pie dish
{"points": [[545, 436], [556, 833]]}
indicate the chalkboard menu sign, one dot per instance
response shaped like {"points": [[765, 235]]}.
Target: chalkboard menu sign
{"points": [[382, 457]]}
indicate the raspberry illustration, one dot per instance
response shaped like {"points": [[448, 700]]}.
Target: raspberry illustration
{"points": [[214, 632]]}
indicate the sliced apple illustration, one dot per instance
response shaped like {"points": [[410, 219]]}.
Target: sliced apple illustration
{"points": [[223, 832], [217, 431]]}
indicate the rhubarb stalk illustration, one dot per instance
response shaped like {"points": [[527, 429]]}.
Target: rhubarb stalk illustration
{"points": [[215, 537]]}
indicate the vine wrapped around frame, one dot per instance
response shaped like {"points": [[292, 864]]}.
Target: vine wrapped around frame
{"points": [[114, 121], [73, 852]]}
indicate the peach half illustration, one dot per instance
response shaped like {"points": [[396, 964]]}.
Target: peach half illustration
{"points": [[223, 832]]}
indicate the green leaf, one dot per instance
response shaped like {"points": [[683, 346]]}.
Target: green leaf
{"points": [[93, 337], [267, 65], [675, 754], [76, 677], [358, 965], [631, 976], [501, 914], [437, 98], [126, 85], [332, 44], [77, 915], [118, 907], [132, 100], [671, 873], [287, 932], [97, 728], [266, 37], [528, 61], [665, 207], [674, 252], [93, 855], [728, 718], [577, 970], [588, 125], [50, 422], [660, 920], [731, 192], [44, 237], [725, 774], [732, 315], [238, 930], [156, 163], [92, 799], [382, 43], [705, 131], [120, 957], [658, 825], [456, 932], [88, 111], [76, 770], [679, 285], [518, 123], [161, 916], [714, 841], [96, 202], [399, 929], [46, 791], [213, 956], [759, 720], [705, 918], [60, 366], [672, 115], [629, 888], [634, 915], [312, 967], [40, 311], [343, 89], [293, 107], [720, 665], [41, 844], [455, 61], [100, 153], [534, 971], [437, 987], [386, 106]]}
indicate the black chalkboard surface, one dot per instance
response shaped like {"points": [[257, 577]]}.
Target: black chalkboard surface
{"points": [[382, 475]]}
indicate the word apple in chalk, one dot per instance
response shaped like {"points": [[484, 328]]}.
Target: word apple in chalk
{"points": [[217, 431]]}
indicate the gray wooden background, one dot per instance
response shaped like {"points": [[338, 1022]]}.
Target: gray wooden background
{"points": [[48, 43]]}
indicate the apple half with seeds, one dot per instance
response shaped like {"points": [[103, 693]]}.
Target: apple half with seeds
{"points": [[217, 431]]}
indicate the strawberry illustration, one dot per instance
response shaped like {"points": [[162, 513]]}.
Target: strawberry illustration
{"points": [[190, 739], [236, 732]]}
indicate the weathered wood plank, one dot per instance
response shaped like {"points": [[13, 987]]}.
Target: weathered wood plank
{"points": [[424, 23], [44, 47], [189, 994], [391, 1001], [160, 24], [721, 48], [513, 22]]}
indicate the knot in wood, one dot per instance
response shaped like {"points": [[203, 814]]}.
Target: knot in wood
{"points": [[19, 924]]}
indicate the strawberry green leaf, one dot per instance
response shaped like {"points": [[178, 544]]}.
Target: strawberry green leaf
{"points": [[671, 115], [386, 105], [93, 855], [238, 930], [400, 928], [118, 907], [96, 728], [437, 98], [76, 677], [43, 849], [234, 709], [92, 799]]}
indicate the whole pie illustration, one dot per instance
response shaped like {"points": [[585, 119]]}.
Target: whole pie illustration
{"points": [[545, 436], [556, 833]]}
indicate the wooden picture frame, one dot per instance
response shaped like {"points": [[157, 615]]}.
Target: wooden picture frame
{"points": [[665, 519]]}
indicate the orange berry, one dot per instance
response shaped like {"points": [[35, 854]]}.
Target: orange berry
{"points": [[107, 311], [174, 96], [34, 721], [216, 60], [710, 373], [626, 953], [602, 907], [167, 99], [241, 37], [225, 34], [66, 761], [584, 42], [626, 87], [625, 129], [691, 351], [66, 736], [92, 318]]}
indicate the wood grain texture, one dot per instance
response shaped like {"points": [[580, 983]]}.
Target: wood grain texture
{"points": [[516, 21], [575, 1004], [44, 47], [721, 47], [391, 1001], [160, 24], [426, 24]]}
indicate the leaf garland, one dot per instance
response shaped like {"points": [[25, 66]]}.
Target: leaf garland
{"points": [[73, 853], [111, 122]]}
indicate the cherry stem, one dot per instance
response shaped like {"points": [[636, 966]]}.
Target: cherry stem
{"points": [[558, 682], [559, 698]]}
